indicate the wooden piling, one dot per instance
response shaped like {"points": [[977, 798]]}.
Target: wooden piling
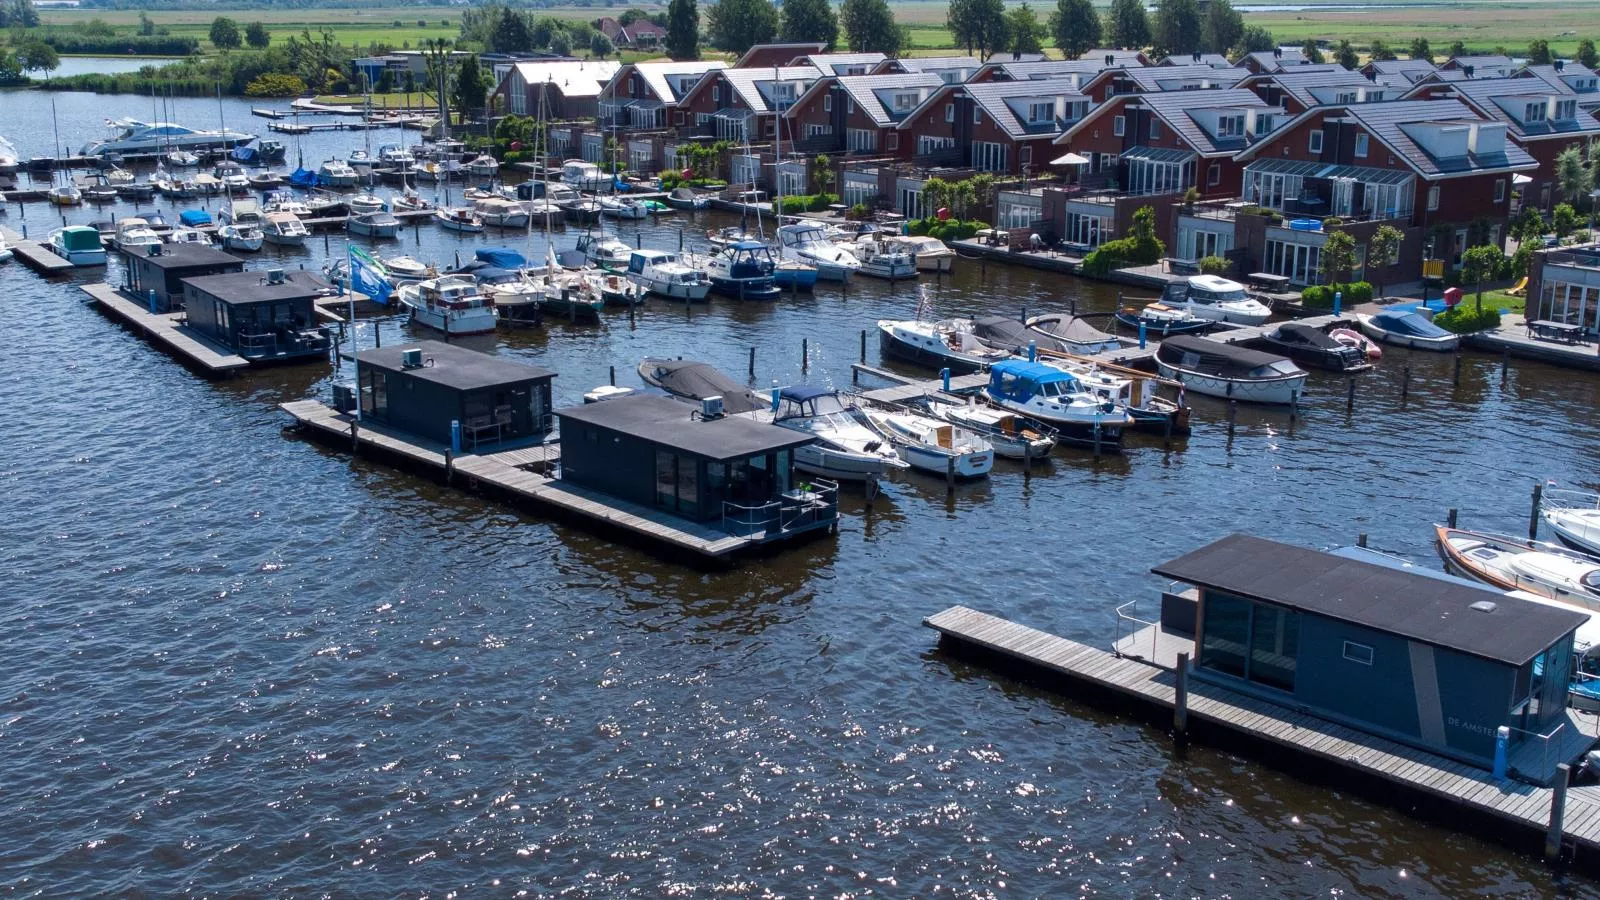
{"points": [[1233, 414], [805, 354], [449, 466], [1554, 834], [1405, 383], [1456, 375], [613, 376], [950, 474], [1533, 513], [1505, 364], [1361, 540], [752, 362], [1450, 517], [863, 346], [1180, 699]]}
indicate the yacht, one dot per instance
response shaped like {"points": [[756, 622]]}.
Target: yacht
{"points": [[583, 176], [1058, 399], [846, 446], [285, 229], [882, 259], [933, 445], [365, 202], [1216, 299], [79, 245], [501, 213], [937, 345], [808, 243], [1574, 516], [931, 254], [135, 138], [1230, 372], [232, 177], [662, 272], [380, 224], [336, 173], [483, 166], [1515, 564], [134, 235], [451, 304], [599, 250], [742, 270]]}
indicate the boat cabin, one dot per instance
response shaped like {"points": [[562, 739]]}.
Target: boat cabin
{"points": [[1205, 290], [264, 317], [160, 270], [1436, 663], [1019, 380], [731, 472], [436, 390]]}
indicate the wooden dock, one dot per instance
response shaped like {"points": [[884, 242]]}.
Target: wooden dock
{"points": [[1512, 338], [34, 255], [166, 330], [907, 389], [1525, 808], [518, 476]]}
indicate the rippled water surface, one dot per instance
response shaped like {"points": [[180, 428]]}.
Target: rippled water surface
{"points": [[238, 663]]}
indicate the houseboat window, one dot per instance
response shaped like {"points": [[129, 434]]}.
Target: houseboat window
{"points": [[1274, 646], [784, 469], [666, 479], [688, 486], [1358, 653], [1226, 634]]}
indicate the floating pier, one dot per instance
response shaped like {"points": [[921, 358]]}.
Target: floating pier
{"points": [[1566, 818], [1512, 339], [166, 330], [34, 255], [914, 389]]}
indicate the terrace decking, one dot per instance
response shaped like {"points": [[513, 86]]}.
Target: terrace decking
{"points": [[1524, 806], [1512, 337], [166, 331]]}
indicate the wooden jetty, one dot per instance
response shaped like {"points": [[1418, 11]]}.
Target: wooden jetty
{"points": [[34, 255], [906, 389], [519, 477], [1567, 819], [1512, 339], [166, 330]]}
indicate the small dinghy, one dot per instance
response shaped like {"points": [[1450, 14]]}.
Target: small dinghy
{"points": [[934, 446], [1574, 516], [1407, 329], [1351, 338], [1514, 564], [1311, 346], [686, 198], [1011, 435], [1230, 372]]}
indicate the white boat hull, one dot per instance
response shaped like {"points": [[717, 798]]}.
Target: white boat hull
{"points": [[387, 230], [476, 320], [1284, 391], [285, 240], [245, 244], [840, 465], [1442, 344], [675, 290], [1216, 313], [81, 257], [893, 272], [505, 220], [828, 271], [1577, 528], [936, 262], [966, 465]]}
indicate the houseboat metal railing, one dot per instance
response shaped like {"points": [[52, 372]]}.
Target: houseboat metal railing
{"points": [[1545, 739], [268, 343], [1125, 618], [820, 503]]}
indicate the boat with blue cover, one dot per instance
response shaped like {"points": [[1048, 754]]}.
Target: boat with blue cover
{"points": [[194, 218], [742, 270], [1407, 328], [1058, 399]]}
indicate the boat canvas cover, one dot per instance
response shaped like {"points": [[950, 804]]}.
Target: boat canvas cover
{"points": [[1213, 357], [697, 380], [80, 237], [1021, 380], [501, 257], [1407, 323], [1073, 330], [1005, 333], [245, 154], [1307, 336], [302, 177], [194, 217]]}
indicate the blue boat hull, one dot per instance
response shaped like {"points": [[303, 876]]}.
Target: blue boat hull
{"points": [[1161, 329], [802, 279], [746, 290]]}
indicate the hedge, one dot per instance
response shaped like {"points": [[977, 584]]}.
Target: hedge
{"points": [[808, 203], [1321, 295], [1465, 318], [945, 229]]}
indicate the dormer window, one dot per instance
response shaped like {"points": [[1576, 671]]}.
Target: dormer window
{"points": [[1533, 112], [1566, 109], [1041, 112], [1263, 123], [1230, 126], [1345, 97], [905, 102]]}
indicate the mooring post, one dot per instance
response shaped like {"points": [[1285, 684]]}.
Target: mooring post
{"points": [[752, 362], [1024, 319], [1405, 383], [1361, 540], [1097, 435], [377, 335], [944, 376], [805, 354], [1180, 699], [1141, 335], [1558, 808], [950, 474], [863, 346], [1350, 394], [1502, 745], [355, 436], [1450, 516], [455, 435], [1456, 376], [613, 376], [1533, 513], [449, 466], [1233, 414]]}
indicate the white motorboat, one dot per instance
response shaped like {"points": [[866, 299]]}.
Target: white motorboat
{"points": [[622, 208], [662, 272], [584, 176], [285, 229], [406, 268], [286, 203], [5, 251], [808, 243], [380, 224], [501, 213], [8, 158], [1011, 435], [365, 202], [207, 184], [410, 201], [1574, 516], [458, 218], [336, 173], [242, 237], [240, 211], [135, 138], [360, 160], [134, 235], [1057, 398], [937, 345], [846, 446], [743, 271], [65, 194], [451, 304], [182, 159], [79, 245], [118, 177], [1407, 329], [881, 259], [483, 166], [1230, 372], [599, 250], [232, 177], [931, 254], [184, 235], [396, 156], [934, 446], [1073, 334], [1216, 299], [1514, 564]]}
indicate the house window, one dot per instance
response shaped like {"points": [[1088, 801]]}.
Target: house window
{"points": [[716, 93], [1314, 143], [1358, 653], [1499, 190], [816, 131], [1087, 230], [977, 115], [988, 156], [827, 103], [1345, 97], [1041, 112], [893, 142], [1566, 109], [1433, 198], [1534, 112], [849, 105], [861, 140], [949, 112], [1214, 175], [1230, 126], [1119, 126], [1361, 144], [905, 102], [927, 145], [1155, 129]]}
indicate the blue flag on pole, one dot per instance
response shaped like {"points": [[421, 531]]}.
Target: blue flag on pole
{"points": [[367, 276]]}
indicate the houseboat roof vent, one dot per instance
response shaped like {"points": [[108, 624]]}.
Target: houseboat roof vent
{"points": [[710, 408], [1487, 606], [411, 358], [153, 249], [274, 276]]}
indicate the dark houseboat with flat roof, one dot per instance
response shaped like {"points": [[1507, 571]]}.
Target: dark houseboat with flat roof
{"points": [[453, 395], [265, 317], [154, 275]]}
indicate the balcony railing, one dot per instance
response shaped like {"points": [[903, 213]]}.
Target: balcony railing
{"points": [[811, 505]]}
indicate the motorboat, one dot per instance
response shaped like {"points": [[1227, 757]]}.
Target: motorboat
{"points": [[133, 235], [194, 218], [845, 446], [808, 243], [327, 205], [232, 177], [1574, 516], [614, 289], [1012, 435], [933, 445], [937, 345], [8, 158], [176, 187], [1352, 338], [1057, 398], [265, 181], [284, 229], [584, 176], [362, 161], [181, 159], [433, 170], [395, 156], [270, 151], [336, 173], [582, 210], [1008, 334], [1164, 319], [1515, 564], [207, 184], [1217, 299], [662, 272], [1311, 346], [78, 244], [1130, 389], [458, 218], [483, 166], [598, 250], [136, 190], [242, 236], [1229, 371], [881, 259], [573, 296], [501, 213], [134, 138], [930, 253], [410, 201], [100, 192], [186, 235], [1407, 329], [155, 217], [622, 208], [792, 274], [380, 224], [5, 250], [686, 198], [65, 194], [407, 268], [365, 202], [1074, 334], [240, 211], [451, 304], [695, 381], [286, 203], [743, 271]]}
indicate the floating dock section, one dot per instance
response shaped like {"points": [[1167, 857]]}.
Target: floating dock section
{"points": [[33, 254], [166, 330]]}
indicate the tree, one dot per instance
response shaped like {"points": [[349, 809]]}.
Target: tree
{"points": [[257, 35], [1345, 55], [1586, 56], [810, 20], [978, 25], [1379, 50], [630, 16], [385, 83], [1573, 176], [37, 56], [1565, 220], [1383, 250], [1312, 51], [1457, 48], [1127, 25], [869, 27], [147, 25], [1024, 31], [225, 33], [738, 25], [561, 43], [10, 69], [510, 33], [98, 27], [1478, 265], [1338, 257], [1256, 39], [1075, 27], [683, 29], [1539, 52], [471, 94], [600, 45], [1222, 28], [1420, 49], [1177, 27], [823, 167]]}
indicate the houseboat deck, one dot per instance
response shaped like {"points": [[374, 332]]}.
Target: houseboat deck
{"points": [[166, 331], [1525, 806], [1512, 337], [34, 255]]}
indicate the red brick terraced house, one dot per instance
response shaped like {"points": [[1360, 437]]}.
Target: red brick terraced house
{"points": [[1079, 71], [950, 69], [765, 56], [741, 105], [1583, 82], [857, 114], [643, 96], [1004, 127], [1298, 91], [840, 63], [1110, 83]]}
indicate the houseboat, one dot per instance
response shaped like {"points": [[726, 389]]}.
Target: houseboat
{"points": [[78, 244], [157, 276], [451, 304], [1230, 372], [1058, 399], [266, 318], [455, 396]]}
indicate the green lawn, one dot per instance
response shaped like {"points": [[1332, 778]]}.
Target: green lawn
{"points": [[1496, 300]]}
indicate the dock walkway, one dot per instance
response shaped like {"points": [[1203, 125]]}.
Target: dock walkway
{"points": [[906, 389], [1517, 803], [34, 255], [166, 330], [1512, 337]]}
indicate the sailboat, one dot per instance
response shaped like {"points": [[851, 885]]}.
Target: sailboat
{"points": [[63, 192]]}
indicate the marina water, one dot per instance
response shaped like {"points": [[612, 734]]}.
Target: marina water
{"points": [[239, 663]]}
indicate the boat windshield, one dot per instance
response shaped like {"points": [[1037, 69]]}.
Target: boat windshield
{"points": [[1203, 295]]}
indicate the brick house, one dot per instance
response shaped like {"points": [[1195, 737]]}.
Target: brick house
{"points": [[741, 104], [646, 95], [950, 69], [1298, 91], [563, 89], [1002, 127], [840, 63], [1480, 66], [643, 34], [857, 114], [1108, 83], [1582, 81], [765, 56]]}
